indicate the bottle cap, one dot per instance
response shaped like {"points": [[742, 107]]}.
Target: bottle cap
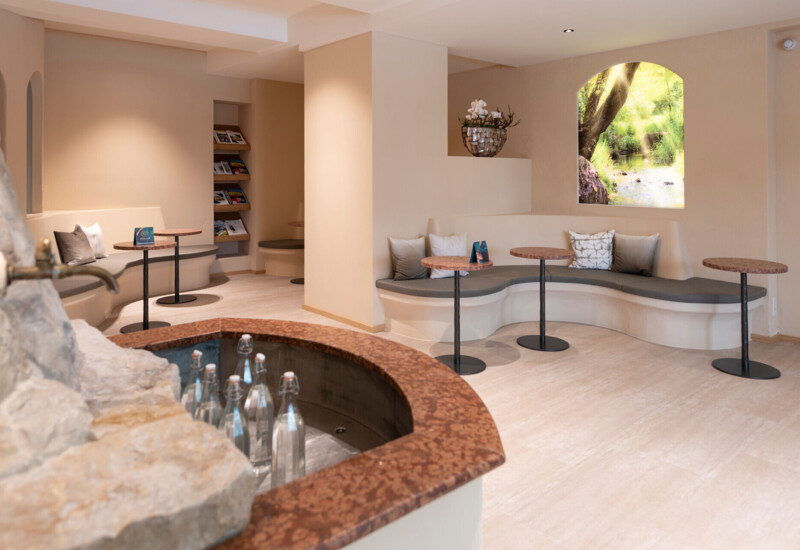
{"points": [[246, 337], [288, 375], [260, 357], [211, 367], [234, 379], [197, 353]]}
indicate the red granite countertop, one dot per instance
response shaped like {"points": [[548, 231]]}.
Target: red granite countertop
{"points": [[454, 439], [745, 265], [542, 253]]}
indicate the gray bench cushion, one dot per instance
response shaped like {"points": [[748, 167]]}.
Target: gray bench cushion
{"points": [[118, 262], [696, 290], [286, 244]]}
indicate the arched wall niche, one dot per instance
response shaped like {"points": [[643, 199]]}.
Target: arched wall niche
{"points": [[33, 188], [630, 137]]}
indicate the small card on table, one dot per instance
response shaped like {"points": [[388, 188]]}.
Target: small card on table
{"points": [[143, 235], [480, 253]]}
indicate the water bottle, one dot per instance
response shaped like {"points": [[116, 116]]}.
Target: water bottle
{"points": [[233, 422], [289, 435], [193, 391], [259, 410], [244, 368], [209, 410]]}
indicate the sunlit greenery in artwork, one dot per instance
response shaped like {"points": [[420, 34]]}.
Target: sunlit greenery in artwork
{"points": [[630, 137]]}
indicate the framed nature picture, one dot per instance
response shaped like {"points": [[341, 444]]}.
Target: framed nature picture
{"points": [[630, 137]]}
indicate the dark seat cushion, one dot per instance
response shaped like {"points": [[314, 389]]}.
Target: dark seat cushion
{"points": [[118, 262], [286, 244], [696, 290]]}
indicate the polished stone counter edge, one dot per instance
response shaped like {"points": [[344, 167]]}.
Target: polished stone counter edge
{"points": [[454, 439]]}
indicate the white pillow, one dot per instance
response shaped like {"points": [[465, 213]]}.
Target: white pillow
{"points": [[454, 245], [95, 236], [592, 251]]}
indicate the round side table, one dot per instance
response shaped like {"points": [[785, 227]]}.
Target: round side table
{"points": [[542, 342], [461, 364], [145, 248], [177, 298], [298, 280], [743, 366]]}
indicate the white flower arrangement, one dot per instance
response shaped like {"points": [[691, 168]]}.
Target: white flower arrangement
{"points": [[479, 117]]}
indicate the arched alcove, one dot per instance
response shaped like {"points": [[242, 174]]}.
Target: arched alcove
{"points": [[630, 137], [34, 144]]}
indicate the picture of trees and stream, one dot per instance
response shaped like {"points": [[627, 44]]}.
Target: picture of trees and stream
{"points": [[630, 137]]}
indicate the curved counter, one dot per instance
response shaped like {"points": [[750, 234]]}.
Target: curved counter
{"points": [[454, 439]]}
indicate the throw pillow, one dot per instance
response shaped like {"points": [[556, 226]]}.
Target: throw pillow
{"points": [[95, 236], [74, 248], [592, 251], [634, 254], [406, 256], [454, 245]]}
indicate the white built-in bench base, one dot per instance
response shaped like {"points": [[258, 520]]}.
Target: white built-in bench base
{"points": [[283, 258], [675, 324]]}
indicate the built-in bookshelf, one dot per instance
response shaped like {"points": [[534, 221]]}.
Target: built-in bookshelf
{"points": [[230, 197]]}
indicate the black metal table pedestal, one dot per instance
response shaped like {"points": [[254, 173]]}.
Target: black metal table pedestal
{"points": [[743, 366], [145, 324], [298, 281], [177, 298], [461, 364], [542, 342]]}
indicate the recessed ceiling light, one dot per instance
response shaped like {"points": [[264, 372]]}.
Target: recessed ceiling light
{"points": [[569, 30]]}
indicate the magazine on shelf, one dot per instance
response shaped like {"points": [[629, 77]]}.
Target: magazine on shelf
{"points": [[218, 167], [236, 195], [222, 136], [235, 227], [219, 228], [236, 137], [221, 197], [238, 166]]}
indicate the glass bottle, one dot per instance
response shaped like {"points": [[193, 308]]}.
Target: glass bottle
{"points": [[193, 391], [260, 411], [209, 409], [244, 368], [289, 435], [233, 422]]}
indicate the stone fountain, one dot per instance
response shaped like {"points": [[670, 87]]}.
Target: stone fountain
{"points": [[95, 449]]}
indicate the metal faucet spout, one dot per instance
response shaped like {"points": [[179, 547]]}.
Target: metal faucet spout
{"points": [[46, 268]]}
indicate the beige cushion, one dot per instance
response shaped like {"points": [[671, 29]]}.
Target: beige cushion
{"points": [[454, 245], [634, 254], [406, 256], [74, 247], [95, 235]]}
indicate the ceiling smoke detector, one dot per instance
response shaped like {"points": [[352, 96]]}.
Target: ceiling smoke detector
{"points": [[789, 44]]}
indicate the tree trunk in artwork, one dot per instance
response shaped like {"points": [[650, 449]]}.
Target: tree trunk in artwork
{"points": [[596, 116], [590, 189]]}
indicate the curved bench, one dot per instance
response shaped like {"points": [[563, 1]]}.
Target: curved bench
{"points": [[283, 257], [695, 313], [85, 297]]}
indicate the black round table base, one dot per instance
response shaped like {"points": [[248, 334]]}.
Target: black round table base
{"points": [[300, 281], [469, 365], [182, 299], [758, 371], [550, 343], [136, 327]]}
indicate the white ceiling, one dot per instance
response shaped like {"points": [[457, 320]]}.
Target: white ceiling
{"points": [[265, 38]]}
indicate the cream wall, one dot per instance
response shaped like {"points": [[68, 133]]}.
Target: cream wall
{"points": [[129, 124], [729, 186], [338, 179], [21, 57]]}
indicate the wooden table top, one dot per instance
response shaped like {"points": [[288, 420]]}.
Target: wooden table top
{"points": [[180, 232], [745, 265], [542, 253], [454, 263], [158, 245], [298, 224]]}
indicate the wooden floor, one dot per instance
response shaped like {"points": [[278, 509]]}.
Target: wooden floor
{"points": [[614, 443]]}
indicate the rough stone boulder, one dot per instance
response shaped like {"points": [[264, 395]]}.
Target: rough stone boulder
{"points": [[590, 189], [170, 484], [40, 419]]}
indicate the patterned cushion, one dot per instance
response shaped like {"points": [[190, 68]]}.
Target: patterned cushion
{"points": [[592, 251]]}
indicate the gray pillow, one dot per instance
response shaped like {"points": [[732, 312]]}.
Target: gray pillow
{"points": [[406, 256], [74, 248], [634, 254]]}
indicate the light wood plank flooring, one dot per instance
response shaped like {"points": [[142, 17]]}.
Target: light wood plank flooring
{"points": [[614, 443]]}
